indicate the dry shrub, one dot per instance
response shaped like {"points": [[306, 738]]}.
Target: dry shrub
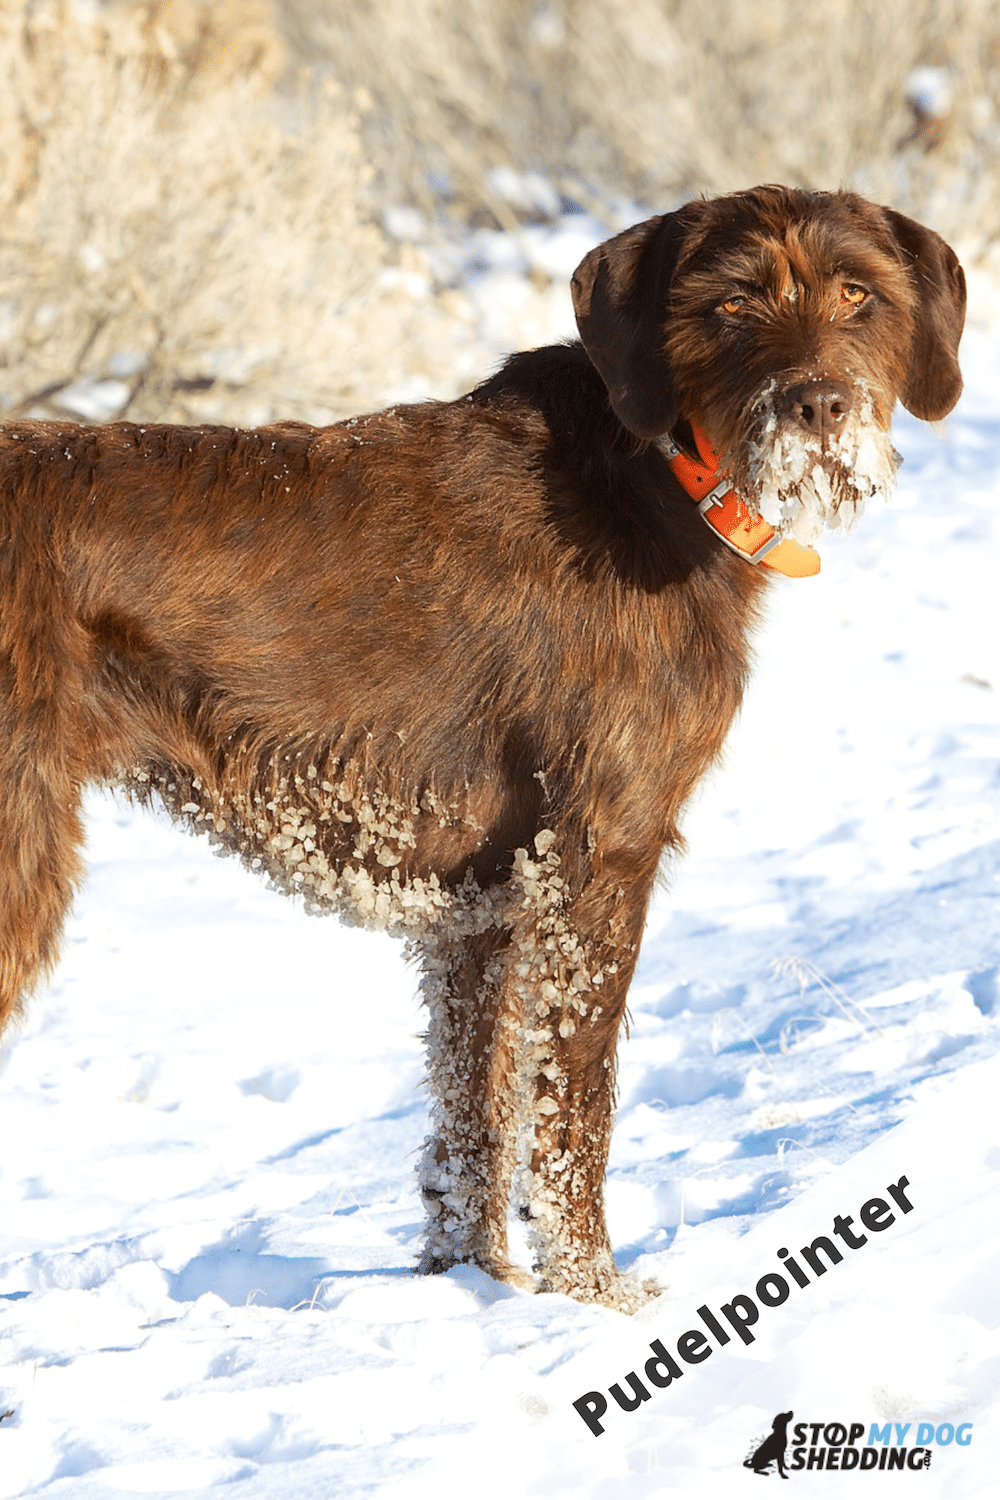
{"points": [[190, 190], [665, 98], [575, 89], [194, 247], [210, 42]]}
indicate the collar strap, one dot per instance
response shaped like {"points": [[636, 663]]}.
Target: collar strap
{"points": [[742, 530]]}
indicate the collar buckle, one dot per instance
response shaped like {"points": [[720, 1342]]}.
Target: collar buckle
{"points": [[733, 522]]}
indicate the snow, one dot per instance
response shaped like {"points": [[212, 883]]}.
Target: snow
{"points": [[930, 91], [94, 400], [212, 1117]]}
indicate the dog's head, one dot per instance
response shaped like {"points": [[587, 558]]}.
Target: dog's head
{"points": [[786, 324]]}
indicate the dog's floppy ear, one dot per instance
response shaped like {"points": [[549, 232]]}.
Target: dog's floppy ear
{"points": [[620, 293], [933, 381]]}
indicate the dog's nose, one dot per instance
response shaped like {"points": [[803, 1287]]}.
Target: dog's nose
{"points": [[819, 406]]}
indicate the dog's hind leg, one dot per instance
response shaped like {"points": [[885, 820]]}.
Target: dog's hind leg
{"points": [[48, 733], [41, 835], [469, 1162]]}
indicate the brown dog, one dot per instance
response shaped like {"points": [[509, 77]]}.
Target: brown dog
{"points": [[453, 670]]}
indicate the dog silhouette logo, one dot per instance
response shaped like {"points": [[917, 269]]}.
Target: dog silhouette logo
{"points": [[772, 1449]]}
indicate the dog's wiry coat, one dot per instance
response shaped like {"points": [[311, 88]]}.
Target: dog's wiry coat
{"points": [[453, 670]]}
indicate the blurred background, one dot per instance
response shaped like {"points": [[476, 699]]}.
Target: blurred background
{"points": [[235, 210]]}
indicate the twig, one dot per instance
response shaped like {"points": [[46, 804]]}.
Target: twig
{"points": [[717, 1031], [359, 1206], [690, 1178], [783, 1045], [806, 974], [788, 1141], [310, 1302]]}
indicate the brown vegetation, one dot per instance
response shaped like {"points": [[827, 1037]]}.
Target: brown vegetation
{"points": [[664, 99], [179, 235], [192, 191]]}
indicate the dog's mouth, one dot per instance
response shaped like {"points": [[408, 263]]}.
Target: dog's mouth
{"points": [[801, 480]]}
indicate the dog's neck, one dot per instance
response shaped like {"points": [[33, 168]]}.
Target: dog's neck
{"points": [[742, 530]]}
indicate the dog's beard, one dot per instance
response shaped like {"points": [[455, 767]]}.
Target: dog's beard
{"points": [[799, 485]]}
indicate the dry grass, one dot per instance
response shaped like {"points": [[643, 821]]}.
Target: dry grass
{"points": [[665, 98], [173, 233], [191, 190]]}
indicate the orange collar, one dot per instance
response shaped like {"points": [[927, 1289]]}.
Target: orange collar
{"points": [[740, 528]]}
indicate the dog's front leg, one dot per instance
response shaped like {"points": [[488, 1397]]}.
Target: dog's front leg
{"points": [[473, 1044], [576, 965]]}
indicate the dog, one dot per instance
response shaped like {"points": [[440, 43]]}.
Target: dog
{"points": [[772, 1449], [453, 670]]}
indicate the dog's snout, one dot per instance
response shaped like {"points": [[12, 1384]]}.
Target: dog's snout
{"points": [[819, 406]]}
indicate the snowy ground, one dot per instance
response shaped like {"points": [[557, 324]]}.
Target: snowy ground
{"points": [[208, 1220]]}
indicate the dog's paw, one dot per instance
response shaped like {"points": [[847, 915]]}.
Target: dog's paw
{"points": [[622, 1293]]}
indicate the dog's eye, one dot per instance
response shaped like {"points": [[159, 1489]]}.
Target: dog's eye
{"points": [[733, 304], [855, 295]]}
